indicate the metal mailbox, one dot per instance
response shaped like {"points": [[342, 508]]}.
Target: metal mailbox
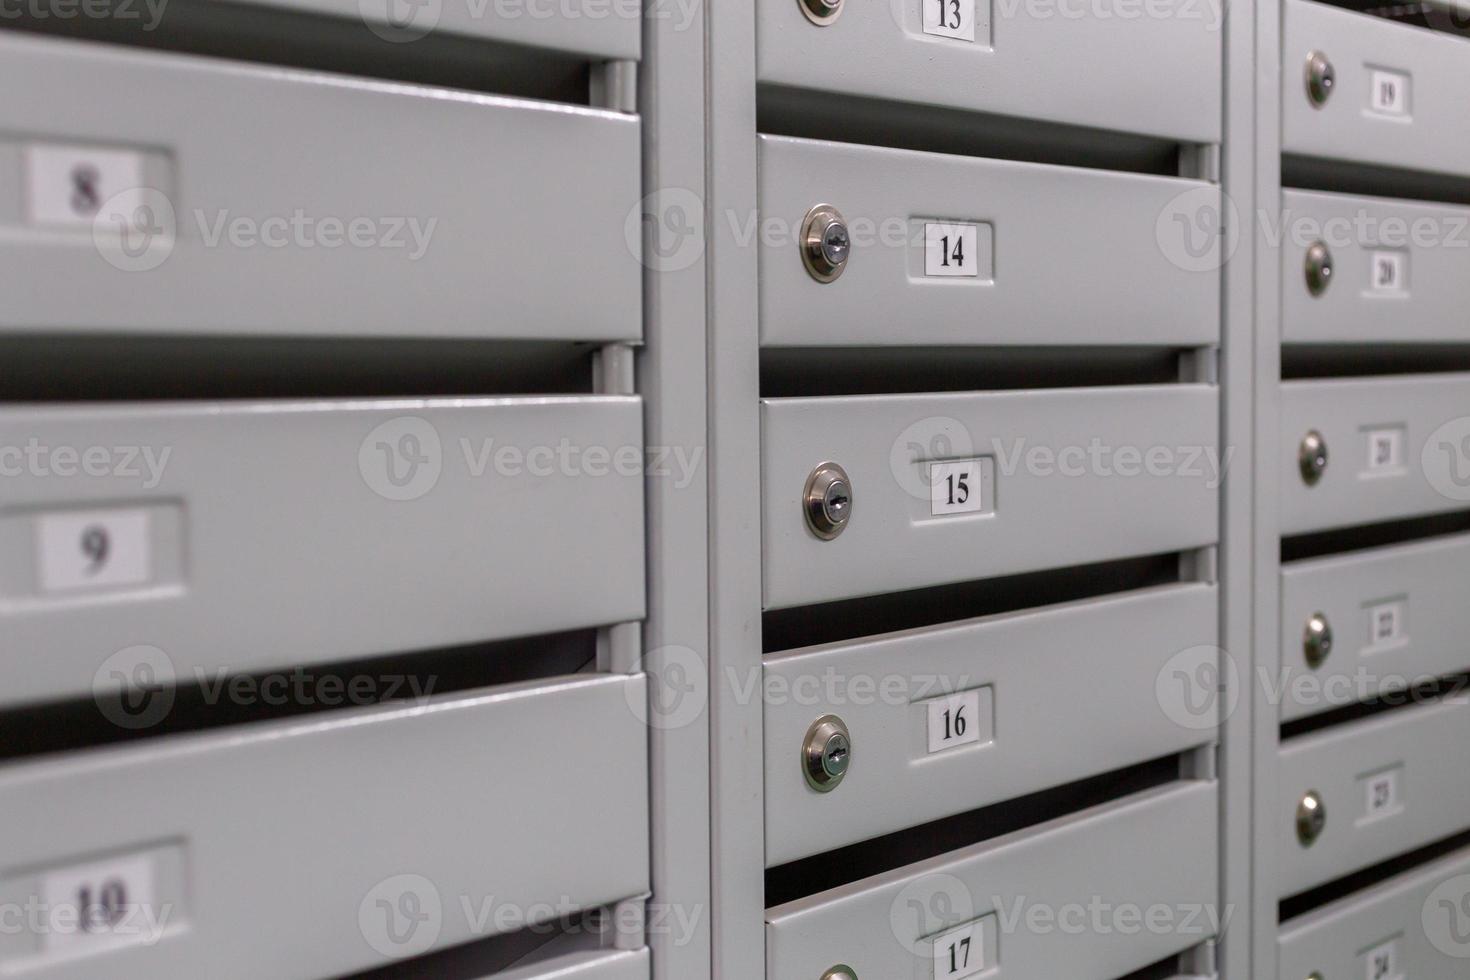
{"points": [[1377, 788], [947, 249], [135, 205], [954, 487], [1409, 926], [1156, 850], [1155, 71], [250, 536], [1398, 270], [1357, 624], [1395, 97], [1363, 450], [585, 965], [339, 836], [953, 718]]}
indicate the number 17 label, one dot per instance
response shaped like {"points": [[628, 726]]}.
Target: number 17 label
{"points": [[950, 18], [960, 952]]}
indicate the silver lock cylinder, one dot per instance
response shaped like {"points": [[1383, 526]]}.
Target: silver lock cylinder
{"points": [[1311, 818], [825, 243], [1321, 79], [1318, 268], [826, 754], [1311, 457], [827, 500], [840, 972], [1317, 640], [821, 12]]}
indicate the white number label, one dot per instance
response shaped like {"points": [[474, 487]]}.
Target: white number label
{"points": [[1383, 793], [1390, 94], [1383, 962], [949, 18], [67, 185], [103, 903], [955, 488], [951, 249], [95, 549], [1388, 272], [954, 720], [1386, 624], [1385, 449], [959, 952]]}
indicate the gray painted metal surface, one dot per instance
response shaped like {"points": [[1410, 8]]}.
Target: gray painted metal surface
{"points": [[1061, 693], [1156, 849], [1434, 68], [1398, 617], [319, 531], [1044, 499], [1067, 63], [609, 30], [611, 965], [1064, 255], [371, 232], [1401, 270], [1388, 925], [271, 846], [1419, 750], [1416, 422]]}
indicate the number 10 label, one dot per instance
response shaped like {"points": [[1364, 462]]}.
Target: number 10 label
{"points": [[949, 18]]}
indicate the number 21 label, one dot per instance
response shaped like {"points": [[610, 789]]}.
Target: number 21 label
{"points": [[950, 18]]}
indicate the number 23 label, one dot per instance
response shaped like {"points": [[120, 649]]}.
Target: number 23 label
{"points": [[950, 18]]}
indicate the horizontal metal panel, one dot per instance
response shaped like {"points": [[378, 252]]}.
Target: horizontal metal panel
{"points": [[1412, 925], [1422, 129], [349, 839], [1026, 893], [1398, 270], [1396, 447], [1061, 477], [1058, 255], [143, 208], [1153, 69], [237, 537], [1398, 616], [1035, 699], [589, 965], [1388, 785], [604, 28]]}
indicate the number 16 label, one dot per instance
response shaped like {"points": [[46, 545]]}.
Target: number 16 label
{"points": [[949, 18], [954, 720]]}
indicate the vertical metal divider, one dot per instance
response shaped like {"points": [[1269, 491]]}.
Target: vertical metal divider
{"points": [[1265, 729], [736, 749], [670, 367]]}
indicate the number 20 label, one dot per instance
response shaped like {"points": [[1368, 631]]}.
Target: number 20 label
{"points": [[950, 18]]}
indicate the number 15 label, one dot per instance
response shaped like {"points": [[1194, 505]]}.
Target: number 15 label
{"points": [[949, 18]]}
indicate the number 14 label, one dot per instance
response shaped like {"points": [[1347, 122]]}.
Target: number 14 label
{"points": [[951, 249], [950, 18]]}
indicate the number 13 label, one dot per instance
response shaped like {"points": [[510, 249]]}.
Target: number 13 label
{"points": [[950, 18]]}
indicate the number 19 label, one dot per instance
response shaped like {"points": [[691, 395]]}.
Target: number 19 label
{"points": [[949, 18]]}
